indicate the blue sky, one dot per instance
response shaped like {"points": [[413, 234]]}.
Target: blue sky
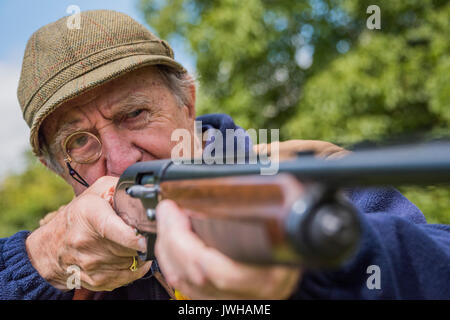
{"points": [[18, 20]]}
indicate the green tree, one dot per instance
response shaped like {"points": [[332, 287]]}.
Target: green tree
{"points": [[247, 52], [27, 197], [313, 69], [392, 82]]}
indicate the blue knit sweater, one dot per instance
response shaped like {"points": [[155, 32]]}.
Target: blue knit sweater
{"points": [[413, 257]]}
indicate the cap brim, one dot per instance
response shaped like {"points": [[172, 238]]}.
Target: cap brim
{"points": [[90, 80]]}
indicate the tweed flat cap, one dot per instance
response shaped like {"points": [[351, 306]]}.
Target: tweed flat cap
{"points": [[60, 63]]}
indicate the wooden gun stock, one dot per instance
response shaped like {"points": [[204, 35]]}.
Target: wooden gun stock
{"points": [[267, 220]]}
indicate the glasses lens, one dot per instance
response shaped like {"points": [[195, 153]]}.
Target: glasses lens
{"points": [[83, 147]]}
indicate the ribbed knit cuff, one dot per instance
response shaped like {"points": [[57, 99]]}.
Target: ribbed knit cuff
{"points": [[19, 279]]}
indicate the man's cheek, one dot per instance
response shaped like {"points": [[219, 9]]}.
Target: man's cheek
{"points": [[156, 147]]}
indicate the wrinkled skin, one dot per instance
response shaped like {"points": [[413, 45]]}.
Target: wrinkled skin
{"points": [[87, 232]]}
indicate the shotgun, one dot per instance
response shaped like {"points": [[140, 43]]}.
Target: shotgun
{"points": [[299, 216]]}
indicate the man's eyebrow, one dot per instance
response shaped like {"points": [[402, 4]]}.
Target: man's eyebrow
{"points": [[65, 130], [133, 100]]}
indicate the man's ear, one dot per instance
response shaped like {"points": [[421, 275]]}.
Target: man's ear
{"points": [[44, 162], [47, 165], [192, 96]]}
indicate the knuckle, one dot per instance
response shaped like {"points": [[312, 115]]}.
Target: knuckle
{"points": [[222, 284], [82, 204], [63, 260], [94, 283], [88, 264], [199, 280], [86, 200], [89, 208], [102, 180], [174, 280], [78, 240], [233, 282], [88, 279], [130, 241], [99, 281], [105, 181]]}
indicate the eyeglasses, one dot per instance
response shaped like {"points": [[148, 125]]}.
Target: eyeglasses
{"points": [[81, 147]]}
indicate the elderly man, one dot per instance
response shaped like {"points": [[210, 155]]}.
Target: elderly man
{"points": [[110, 94]]}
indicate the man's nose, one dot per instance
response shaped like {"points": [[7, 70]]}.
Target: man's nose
{"points": [[119, 152]]}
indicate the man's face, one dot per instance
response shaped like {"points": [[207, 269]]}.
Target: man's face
{"points": [[133, 117]]}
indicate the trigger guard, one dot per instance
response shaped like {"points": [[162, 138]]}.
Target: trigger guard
{"points": [[150, 254]]}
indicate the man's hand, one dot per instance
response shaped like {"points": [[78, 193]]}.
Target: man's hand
{"points": [[201, 272], [289, 148], [89, 234]]}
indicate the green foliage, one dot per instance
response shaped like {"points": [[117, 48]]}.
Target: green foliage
{"points": [[362, 84], [392, 82], [246, 51], [433, 201], [27, 197]]}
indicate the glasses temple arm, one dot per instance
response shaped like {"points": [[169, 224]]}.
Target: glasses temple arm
{"points": [[76, 176]]}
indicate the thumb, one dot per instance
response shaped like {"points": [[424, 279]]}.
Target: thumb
{"points": [[110, 226], [103, 187]]}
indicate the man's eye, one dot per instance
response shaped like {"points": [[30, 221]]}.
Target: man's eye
{"points": [[80, 141], [134, 114], [135, 119]]}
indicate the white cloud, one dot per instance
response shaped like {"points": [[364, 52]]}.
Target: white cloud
{"points": [[13, 129]]}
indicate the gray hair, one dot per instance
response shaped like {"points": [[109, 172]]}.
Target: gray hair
{"points": [[179, 84]]}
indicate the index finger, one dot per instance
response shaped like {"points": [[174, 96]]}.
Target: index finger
{"points": [[109, 225], [103, 187]]}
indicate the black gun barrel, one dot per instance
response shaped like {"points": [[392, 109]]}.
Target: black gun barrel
{"points": [[427, 163]]}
